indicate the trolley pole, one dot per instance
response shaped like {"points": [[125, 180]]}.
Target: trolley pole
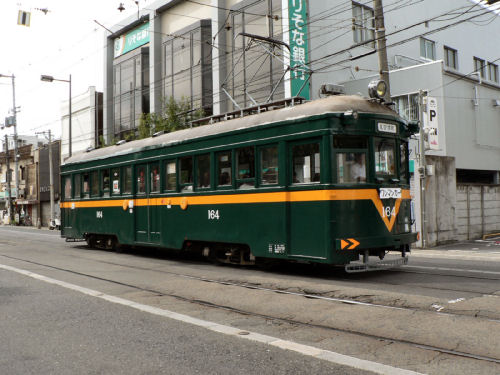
{"points": [[378, 12], [421, 170]]}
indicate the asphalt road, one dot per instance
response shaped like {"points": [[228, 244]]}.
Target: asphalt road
{"points": [[447, 299], [47, 329]]}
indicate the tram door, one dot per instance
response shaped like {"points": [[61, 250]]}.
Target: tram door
{"points": [[308, 229], [146, 210], [141, 209]]}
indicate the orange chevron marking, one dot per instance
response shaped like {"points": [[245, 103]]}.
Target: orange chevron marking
{"points": [[344, 244], [354, 243]]}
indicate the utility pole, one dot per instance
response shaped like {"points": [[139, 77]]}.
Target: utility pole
{"points": [[421, 169], [378, 11], [51, 177], [9, 192], [14, 115]]}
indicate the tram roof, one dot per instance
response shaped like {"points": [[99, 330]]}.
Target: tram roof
{"points": [[331, 104]]}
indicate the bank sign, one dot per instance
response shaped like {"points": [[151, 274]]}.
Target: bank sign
{"points": [[132, 40], [299, 49]]}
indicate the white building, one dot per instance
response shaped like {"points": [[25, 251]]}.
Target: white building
{"points": [[447, 49], [86, 128]]}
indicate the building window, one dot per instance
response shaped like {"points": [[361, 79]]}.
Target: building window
{"points": [[407, 106], [255, 73], [427, 49], [130, 92], [450, 58], [364, 23], [480, 66], [493, 72], [187, 69]]}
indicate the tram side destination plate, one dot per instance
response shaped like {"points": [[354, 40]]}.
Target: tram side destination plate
{"points": [[387, 193]]}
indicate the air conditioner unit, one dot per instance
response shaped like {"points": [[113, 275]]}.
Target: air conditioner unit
{"points": [[496, 102]]}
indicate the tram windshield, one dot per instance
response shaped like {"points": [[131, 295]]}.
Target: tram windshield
{"points": [[385, 160]]}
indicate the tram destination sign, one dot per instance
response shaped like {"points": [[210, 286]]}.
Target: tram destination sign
{"points": [[387, 128]]}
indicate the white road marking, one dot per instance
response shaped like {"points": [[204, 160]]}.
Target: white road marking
{"points": [[452, 269], [456, 300], [327, 355]]}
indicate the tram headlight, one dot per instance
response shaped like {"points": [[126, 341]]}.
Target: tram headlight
{"points": [[377, 89]]}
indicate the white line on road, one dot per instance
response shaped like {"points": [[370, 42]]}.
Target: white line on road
{"points": [[311, 351], [451, 269]]}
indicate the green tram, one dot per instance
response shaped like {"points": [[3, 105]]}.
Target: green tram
{"points": [[326, 181]]}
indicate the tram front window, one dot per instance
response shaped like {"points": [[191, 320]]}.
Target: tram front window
{"points": [[385, 161], [351, 167]]}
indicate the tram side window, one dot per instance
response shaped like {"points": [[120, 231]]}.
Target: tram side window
{"points": [[86, 184], [224, 168], [269, 165], [127, 180], [67, 187], [203, 171], [403, 170], [245, 167], [94, 183], [141, 179], [115, 180], [306, 163], [78, 186], [186, 173], [171, 176], [105, 182], [385, 161], [154, 178]]}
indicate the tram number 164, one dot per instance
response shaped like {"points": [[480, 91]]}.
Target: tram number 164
{"points": [[388, 211], [213, 215]]}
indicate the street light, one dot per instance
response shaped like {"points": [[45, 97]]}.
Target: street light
{"points": [[47, 78]]}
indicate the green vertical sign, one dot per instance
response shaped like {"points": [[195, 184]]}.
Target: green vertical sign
{"points": [[299, 49]]}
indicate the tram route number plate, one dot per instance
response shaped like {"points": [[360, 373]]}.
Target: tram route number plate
{"points": [[387, 193]]}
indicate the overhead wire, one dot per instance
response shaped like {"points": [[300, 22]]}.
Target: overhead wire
{"points": [[337, 62]]}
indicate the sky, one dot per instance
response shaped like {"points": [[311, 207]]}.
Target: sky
{"points": [[64, 41]]}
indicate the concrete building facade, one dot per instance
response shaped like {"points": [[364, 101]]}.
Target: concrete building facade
{"points": [[86, 122], [223, 55]]}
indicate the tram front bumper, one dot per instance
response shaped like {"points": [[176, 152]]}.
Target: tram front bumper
{"points": [[394, 242]]}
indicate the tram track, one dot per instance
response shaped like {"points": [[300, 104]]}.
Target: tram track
{"points": [[268, 317], [315, 296]]}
